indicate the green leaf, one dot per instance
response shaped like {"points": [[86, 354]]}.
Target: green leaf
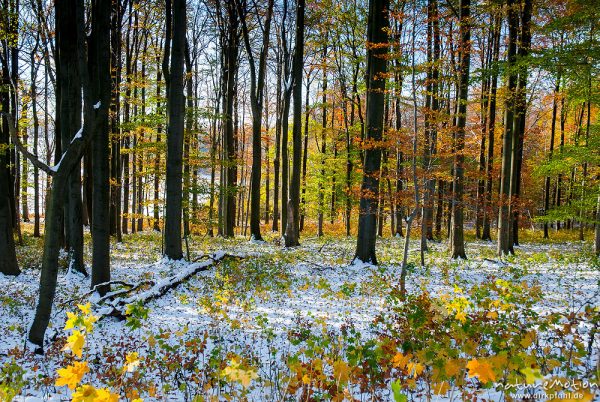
{"points": [[397, 390]]}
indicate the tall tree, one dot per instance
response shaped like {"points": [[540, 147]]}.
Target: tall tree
{"points": [[519, 118], [257, 85], [457, 237], [100, 93], [69, 110], [229, 23], [175, 133], [377, 48], [69, 15], [292, 230], [505, 246]]}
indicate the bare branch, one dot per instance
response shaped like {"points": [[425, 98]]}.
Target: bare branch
{"points": [[12, 129]]}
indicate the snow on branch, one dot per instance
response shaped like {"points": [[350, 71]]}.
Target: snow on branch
{"points": [[115, 307]]}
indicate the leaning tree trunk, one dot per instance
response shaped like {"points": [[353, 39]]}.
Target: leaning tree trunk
{"points": [[176, 110], [376, 70]]}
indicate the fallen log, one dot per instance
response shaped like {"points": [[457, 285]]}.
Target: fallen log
{"points": [[115, 307]]}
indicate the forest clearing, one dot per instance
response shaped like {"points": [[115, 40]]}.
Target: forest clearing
{"points": [[268, 308], [299, 200]]}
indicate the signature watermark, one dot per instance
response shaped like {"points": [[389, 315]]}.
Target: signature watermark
{"points": [[552, 389]]}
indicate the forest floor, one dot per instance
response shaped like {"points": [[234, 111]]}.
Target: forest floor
{"points": [[304, 324]]}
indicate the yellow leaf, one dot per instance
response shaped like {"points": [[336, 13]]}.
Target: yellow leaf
{"points": [[452, 367], [531, 375], [75, 343], [85, 393], [306, 379], [72, 375], [341, 371], [235, 373], [528, 339], [482, 370], [104, 395], [461, 316], [441, 388], [415, 369], [132, 361], [71, 320], [399, 360], [85, 308], [492, 315]]}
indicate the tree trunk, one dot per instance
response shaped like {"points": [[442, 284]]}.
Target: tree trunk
{"points": [[70, 123], [292, 231], [115, 157], [376, 69], [519, 122], [176, 111], [257, 85], [323, 150], [458, 242], [491, 121], [547, 194], [36, 135], [99, 67], [505, 247]]}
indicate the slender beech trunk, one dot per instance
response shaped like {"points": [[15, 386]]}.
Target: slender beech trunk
{"points": [[292, 231], [491, 122], [520, 121], [458, 242], [323, 150], [257, 85], [505, 246], [547, 194]]}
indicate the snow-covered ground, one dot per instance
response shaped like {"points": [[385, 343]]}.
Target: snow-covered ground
{"points": [[250, 307]]}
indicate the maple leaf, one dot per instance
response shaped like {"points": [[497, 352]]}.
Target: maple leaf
{"points": [[341, 371], [452, 367], [132, 361], [85, 393], [235, 373], [482, 370], [104, 395], [492, 315], [71, 320], [75, 343], [531, 375], [414, 369], [85, 308], [399, 360], [71, 375]]}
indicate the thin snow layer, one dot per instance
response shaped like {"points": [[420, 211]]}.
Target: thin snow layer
{"points": [[323, 285]]}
